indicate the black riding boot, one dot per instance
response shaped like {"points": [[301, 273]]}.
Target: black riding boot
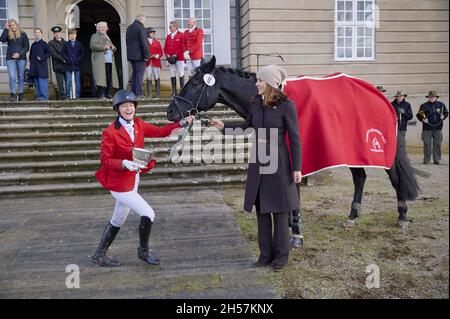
{"points": [[12, 97], [144, 253], [158, 88], [181, 83], [108, 94], [149, 88], [101, 92], [295, 222], [20, 97], [174, 86], [100, 258]]}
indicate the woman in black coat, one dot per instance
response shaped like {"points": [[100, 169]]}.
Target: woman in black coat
{"points": [[39, 55], [271, 185], [16, 56]]}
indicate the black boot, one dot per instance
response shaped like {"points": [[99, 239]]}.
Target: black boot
{"points": [[144, 253], [181, 82], [149, 88], [20, 97], [12, 98], [158, 88], [174, 86], [108, 94], [101, 92], [100, 258]]}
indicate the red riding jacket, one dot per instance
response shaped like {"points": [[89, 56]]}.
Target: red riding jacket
{"points": [[155, 48], [193, 41], [117, 146], [175, 46]]}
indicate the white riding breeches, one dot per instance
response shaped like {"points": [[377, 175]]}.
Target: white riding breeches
{"points": [[192, 65], [177, 68], [127, 201], [152, 71]]}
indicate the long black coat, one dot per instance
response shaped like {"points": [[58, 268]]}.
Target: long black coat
{"points": [[137, 42], [73, 55], [58, 62], [278, 193], [39, 55]]}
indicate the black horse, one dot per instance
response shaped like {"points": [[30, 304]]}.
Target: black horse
{"points": [[236, 89]]}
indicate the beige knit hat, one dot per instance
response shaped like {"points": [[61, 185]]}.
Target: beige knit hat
{"points": [[273, 75]]}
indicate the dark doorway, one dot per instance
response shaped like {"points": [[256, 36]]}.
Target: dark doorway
{"points": [[91, 12]]}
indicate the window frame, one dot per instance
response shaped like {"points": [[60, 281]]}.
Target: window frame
{"points": [[11, 13], [355, 24]]}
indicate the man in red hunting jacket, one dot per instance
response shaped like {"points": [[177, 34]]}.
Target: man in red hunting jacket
{"points": [[193, 42], [174, 49], [154, 63]]}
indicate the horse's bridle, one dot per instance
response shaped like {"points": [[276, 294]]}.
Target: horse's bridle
{"points": [[194, 109]]}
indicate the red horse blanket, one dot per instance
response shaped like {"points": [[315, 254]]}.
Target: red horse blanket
{"points": [[343, 121]]}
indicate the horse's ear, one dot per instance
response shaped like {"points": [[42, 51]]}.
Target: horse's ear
{"points": [[211, 65]]}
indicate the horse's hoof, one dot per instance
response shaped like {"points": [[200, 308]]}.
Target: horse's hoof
{"points": [[349, 223], [296, 242], [402, 224]]}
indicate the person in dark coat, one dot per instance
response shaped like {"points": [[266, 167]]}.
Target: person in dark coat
{"points": [[59, 63], [73, 53], [138, 53], [404, 114], [271, 185], [16, 57], [432, 114], [39, 55]]}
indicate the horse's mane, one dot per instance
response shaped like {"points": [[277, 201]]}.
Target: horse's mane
{"points": [[239, 73]]}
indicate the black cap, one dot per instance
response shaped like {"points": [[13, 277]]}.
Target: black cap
{"points": [[149, 30], [56, 29]]}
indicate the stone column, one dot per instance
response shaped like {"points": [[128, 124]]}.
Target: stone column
{"points": [[133, 9], [41, 16]]}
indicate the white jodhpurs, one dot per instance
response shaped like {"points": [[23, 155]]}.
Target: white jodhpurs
{"points": [[192, 65], [127, 201], [177, 68]]}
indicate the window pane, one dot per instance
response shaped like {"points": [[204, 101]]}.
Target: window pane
{"points": [[360, 31], [186, 14], [348, 5], [186, 4], [360, 16], [360, 53], [208, 38], [348, 53], [207, 14], [369, 6], [360, 5], [198, 14], [340, 53], [340, 16], [349, 16], [340, 42], [207, 48], [184, 24], [198, 4], [207, 24], [369, 31], [368, 42], [3, 15], [348, 31], [340, 5], [360, 43], [177, 13], [177, 4], [200, 24], [368, 53], [340, 31], [206, 4], [348, 42]]}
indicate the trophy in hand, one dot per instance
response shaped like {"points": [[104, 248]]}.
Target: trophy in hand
{"points": [[141, 157]]}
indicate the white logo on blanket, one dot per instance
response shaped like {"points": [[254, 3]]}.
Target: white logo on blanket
{"points": [[376, 139]]}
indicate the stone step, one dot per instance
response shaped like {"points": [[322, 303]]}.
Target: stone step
{"points": [[156, 184], [58, 165], [47, 146], [93, 154], [88, 118], [72, 127], [84, 102], [72, 177]]}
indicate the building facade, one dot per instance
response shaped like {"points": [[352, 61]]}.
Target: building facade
{"points": [[401, 44]]}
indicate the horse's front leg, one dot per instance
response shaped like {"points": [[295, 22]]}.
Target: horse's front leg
{"points": [[359, 179], [296, 224], [402, 207]]}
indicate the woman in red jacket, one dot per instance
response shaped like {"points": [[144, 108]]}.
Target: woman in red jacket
{"points": [[120, 175], [154, 63]]}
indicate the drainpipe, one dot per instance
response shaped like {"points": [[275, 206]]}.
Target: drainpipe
{"points": [[238, 35]]}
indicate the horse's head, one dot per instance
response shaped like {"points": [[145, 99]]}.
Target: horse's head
{"points": [[199, 94]]}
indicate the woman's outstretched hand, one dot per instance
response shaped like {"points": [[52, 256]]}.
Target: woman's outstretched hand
{"points": [[298, 177], [217, 124]]}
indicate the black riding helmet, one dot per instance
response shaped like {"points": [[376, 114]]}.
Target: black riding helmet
{"points": [[123, 96]]}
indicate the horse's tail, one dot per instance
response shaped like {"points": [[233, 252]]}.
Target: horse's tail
{"points": [[407, 185]]}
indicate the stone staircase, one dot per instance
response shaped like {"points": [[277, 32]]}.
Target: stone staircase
{"points": [[49, 148]]}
